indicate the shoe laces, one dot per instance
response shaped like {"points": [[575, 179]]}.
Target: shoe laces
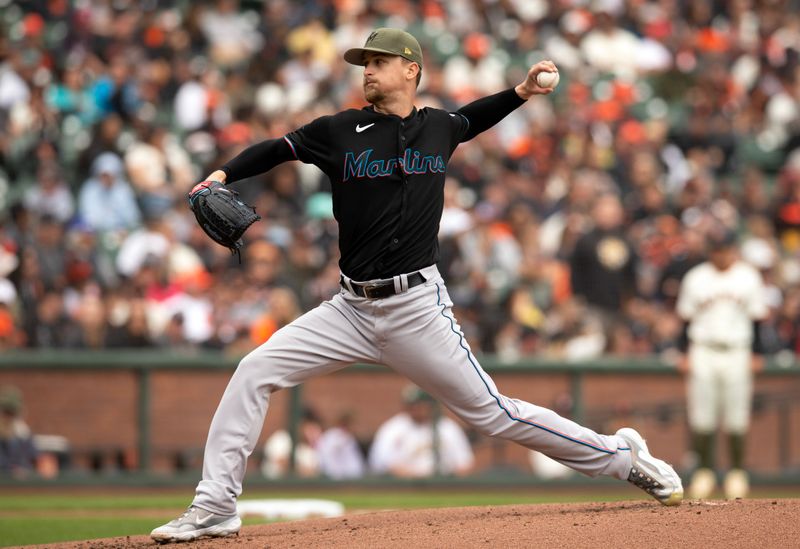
{"points": [[186, 513], [644, 481]]}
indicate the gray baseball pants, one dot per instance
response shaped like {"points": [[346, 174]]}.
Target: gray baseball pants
{"points": [[416, 335]]}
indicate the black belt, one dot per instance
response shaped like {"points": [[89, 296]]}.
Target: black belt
{"points": [[721, 346], [381, 288]]}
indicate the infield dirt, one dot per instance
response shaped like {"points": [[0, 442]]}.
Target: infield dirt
{"points": [[763, 524]]}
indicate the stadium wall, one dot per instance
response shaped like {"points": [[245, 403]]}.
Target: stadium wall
{"points": [[99, 409]]}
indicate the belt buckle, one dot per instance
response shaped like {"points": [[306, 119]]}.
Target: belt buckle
{"points": [[369, 288]]}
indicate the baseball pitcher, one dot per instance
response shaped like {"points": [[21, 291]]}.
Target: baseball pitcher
{"points": [[387, 165]]}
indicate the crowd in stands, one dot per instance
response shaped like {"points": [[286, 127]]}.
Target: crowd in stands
{"points": [[416, 442], [566, 229]]}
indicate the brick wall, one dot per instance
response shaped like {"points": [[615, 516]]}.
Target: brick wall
{"points": [[97, 409]]}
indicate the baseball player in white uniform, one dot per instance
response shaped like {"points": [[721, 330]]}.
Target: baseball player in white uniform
{"points": [[416, 443], [387, 165], [722, 301]]}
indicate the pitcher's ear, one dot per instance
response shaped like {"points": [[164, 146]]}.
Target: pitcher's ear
{"points": [[412, 71]]}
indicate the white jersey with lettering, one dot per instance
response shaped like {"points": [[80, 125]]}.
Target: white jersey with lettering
{"points": [[720, 306]]}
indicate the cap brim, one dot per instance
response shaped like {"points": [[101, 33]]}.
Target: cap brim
{"points": [[355, 56]]}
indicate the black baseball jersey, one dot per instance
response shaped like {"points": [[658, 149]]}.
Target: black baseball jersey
{"points": [[387, 175]]}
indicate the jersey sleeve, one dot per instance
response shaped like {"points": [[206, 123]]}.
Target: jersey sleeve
{"points": [[459, 126], [687, 302], [257, 159], [757, 302], [312, 143], [487, 111]]}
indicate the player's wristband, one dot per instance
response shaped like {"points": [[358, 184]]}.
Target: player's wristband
{"points": [[758, 344], [683, 338]]}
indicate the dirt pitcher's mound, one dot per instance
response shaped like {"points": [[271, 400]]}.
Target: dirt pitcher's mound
{"points": [[709, 524]]}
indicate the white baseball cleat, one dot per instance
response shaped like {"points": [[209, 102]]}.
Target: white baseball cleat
{"points": [[652, 475], [703, 484], [197, 523], [737, 485]]}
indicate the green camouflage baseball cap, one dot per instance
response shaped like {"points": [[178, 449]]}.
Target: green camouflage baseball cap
{"points": [[388, 41]]}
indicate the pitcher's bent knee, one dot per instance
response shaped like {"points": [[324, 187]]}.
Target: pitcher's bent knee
{"points": [[489, 422], [258, 369]]}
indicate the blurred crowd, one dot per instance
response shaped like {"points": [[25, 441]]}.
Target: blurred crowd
{"points": [[417, 441], [567, 227]]}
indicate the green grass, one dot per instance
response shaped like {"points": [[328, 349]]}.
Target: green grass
{"points": [[30, 518], [351, 499], [28, 530], [52, 516]]}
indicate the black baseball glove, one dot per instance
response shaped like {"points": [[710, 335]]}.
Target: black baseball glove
{"points": [[221, 214]]}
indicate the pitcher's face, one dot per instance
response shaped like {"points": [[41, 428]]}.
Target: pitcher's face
{"points": [[383, 76]]}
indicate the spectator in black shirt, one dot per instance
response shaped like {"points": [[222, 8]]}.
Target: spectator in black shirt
{"points": [[603, 264], [691, 252]]}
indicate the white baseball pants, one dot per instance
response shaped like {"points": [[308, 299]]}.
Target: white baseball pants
{"points": [[719, 389], [416, 335]]}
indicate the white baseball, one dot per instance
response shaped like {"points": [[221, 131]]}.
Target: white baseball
{"points": [[547, 79]]}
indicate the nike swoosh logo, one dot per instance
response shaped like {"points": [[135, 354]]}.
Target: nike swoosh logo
{"points": [[204, 520], [207, 520], [360, 128]]}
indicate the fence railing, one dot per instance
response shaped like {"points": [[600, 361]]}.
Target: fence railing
{"points": [[143, 363]]}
